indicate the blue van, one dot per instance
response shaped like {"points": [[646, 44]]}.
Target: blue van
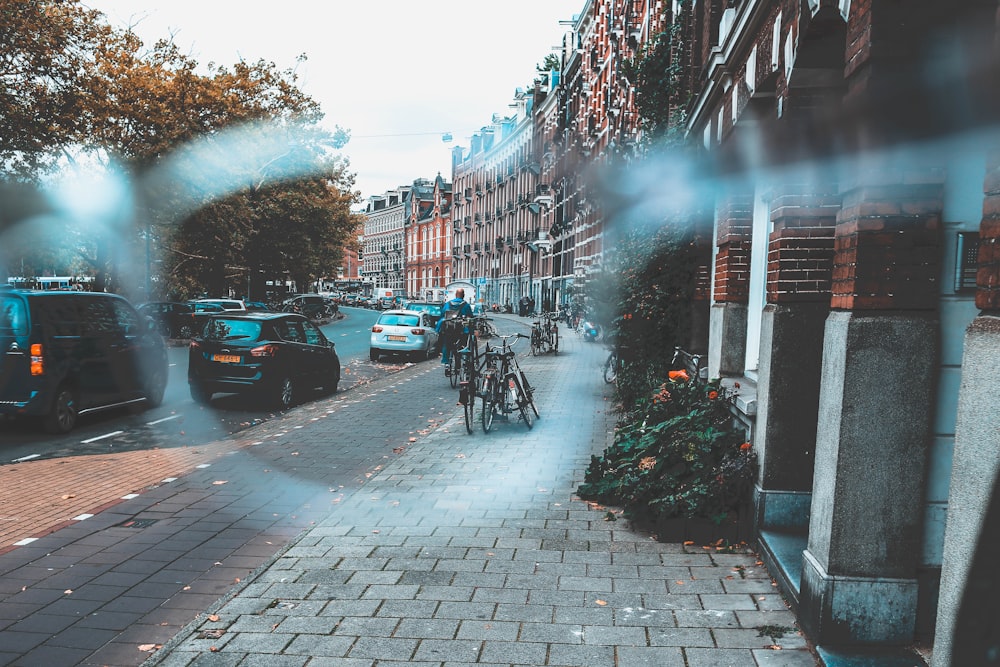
{"points": [[65, 353]]}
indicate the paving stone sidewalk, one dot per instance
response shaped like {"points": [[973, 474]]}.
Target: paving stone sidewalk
{"points": [[472, 549]]}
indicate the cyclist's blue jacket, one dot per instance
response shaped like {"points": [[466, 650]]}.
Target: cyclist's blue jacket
{"points": [[462, 306]]}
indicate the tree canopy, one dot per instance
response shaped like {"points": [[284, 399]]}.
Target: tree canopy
{"points": [[229, 175]]}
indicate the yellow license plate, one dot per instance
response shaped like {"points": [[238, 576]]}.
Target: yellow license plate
{"points": [[226, 358], [403, 338]]}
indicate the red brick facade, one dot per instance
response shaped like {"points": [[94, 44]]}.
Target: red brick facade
{"points": [[988, 275], [887, 248], [732, 260], [800, 252]]}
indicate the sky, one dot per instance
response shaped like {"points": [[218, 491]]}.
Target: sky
{"points": [[397, 74]]}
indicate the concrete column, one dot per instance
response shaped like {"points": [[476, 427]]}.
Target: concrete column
{"points": [[799, 273], [859, 571], [791, 349], [727, 329], [975, 466]]}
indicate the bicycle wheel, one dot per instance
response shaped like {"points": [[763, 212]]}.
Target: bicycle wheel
{"points": [[454, 368], [611, 368], [529, 391], [468, 397], [523, 400], [536, 342], [489, 400]]}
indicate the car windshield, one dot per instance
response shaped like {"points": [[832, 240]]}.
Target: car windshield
{"points": [[396, 320], [232, 329]]}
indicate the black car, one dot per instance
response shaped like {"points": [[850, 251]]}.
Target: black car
{"points": [[69, 353], [272, 355], [173, 319], [313, 306]]}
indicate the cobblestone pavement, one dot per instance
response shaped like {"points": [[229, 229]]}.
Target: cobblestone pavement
{"points": [[472, 549]]}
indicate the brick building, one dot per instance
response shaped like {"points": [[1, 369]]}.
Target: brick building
{"points": [[428, 236], [852, 283], [495, 181], [384, 239], [849, 203]]}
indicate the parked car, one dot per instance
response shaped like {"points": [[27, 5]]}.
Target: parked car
{"points": [[407, 332], [234, 305], [432, 308], [202, 311], [173, 319], [313, 306], [67, 353], [274, 355], [257, 306]]}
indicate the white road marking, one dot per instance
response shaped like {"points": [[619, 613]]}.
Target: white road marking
{"points": [[102, 437], [26, 458], [160, 421]]}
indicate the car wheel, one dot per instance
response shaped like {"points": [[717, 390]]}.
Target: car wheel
{"points": [[284, 393], [185, 331], [156, 385], [199, 394], [63, 412], [373, 354]]}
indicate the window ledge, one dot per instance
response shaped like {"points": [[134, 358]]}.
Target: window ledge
{"points": [[745, 391]]}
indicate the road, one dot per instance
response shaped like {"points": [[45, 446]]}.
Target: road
{"points": [[121, 550], [179, 421]]}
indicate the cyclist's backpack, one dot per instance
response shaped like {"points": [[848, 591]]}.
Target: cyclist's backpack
{"points": [[450, 325]]}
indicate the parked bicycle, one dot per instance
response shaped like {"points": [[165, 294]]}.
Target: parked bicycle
{"points": [[614, 363], [504, 386], [545, 334], [470, 364]]}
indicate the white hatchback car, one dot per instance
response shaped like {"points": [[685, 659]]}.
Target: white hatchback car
{"points": [[406, 332]]}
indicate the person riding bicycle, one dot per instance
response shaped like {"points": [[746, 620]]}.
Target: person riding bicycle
{"points": [[452, 310]]}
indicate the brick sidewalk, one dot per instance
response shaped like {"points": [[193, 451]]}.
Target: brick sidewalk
{"points": [[473, 549]]}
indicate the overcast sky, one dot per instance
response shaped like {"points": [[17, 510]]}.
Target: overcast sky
{"points": [[396, 73]]}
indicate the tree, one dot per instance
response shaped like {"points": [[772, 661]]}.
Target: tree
{"points": [[46, 67]]}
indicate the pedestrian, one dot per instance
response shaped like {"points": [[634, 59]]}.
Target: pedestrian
{"points": [[447, 326]]}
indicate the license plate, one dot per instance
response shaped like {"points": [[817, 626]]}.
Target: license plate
{"points": [[226, 358], [402, 338]]}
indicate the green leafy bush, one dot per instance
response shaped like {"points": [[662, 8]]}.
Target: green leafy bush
{"points": [[679, 454]]}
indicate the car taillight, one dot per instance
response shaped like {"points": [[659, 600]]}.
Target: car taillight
{"points": [[37, 365], [376, 329], [418, 332], [194, 345], [269, 350]]}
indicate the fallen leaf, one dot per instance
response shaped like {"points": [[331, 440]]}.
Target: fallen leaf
{"points": [[679, 582], [68, 496], [148, 648], [688, 543], [213, 617], [68, 591], [601, 602], [773, 647], [219, 482]]}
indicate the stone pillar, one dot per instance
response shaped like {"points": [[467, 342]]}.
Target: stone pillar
{"points": [[800, 266], [976, 459], [728, 320], [859, 576]]}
